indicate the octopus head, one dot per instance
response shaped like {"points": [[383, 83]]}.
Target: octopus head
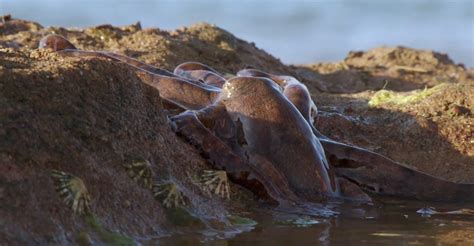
{"points": [[238, 86]]}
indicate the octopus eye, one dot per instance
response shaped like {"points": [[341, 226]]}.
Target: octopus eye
{"points": [[169, 194], [141, 172], [72, 190]]}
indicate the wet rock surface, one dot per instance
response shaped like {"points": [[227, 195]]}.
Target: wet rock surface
{"points": [[93, 117]]}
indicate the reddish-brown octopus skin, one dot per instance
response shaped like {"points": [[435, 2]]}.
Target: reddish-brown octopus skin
{"points": [[364, 168], [294, 90], [55, 42], [207, 77], [190, 66], [138, 64], [178, 91], [371, 171], [274, 129], [181, 92], [251, 72], [200, 128], [381, 175], [299, 96]]}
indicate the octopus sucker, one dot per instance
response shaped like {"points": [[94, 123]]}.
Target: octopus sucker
{"points": [[214, 182], [72, 190], [141, 172], [169, 194]]}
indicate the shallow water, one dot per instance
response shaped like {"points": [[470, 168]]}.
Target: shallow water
{"points": [[389, 222]]}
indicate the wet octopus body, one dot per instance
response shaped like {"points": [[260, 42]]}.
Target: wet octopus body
{"points": [[258, 128], [261, 133], [273, 129]]}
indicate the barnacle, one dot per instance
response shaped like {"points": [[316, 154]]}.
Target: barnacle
{"points": [[215, 182], [72, 190], [170, 195], [141, 172]]}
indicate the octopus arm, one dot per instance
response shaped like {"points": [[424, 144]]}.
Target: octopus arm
{"points": [[190, 66], [222, 157], [180, 92], [378, 174]]}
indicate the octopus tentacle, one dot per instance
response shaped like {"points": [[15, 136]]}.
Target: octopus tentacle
{"points": [[181, 92], [190, 66], [60, 43], [177, 91], [222, 157], [207, 77], [378, 174], [138, 64], [186, 94], [251, 72]]}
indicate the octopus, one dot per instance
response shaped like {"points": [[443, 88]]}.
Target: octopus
{"points": [[256, 129]]}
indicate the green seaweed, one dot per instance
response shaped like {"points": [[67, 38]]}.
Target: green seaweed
{"points": [[105, 235], [83, 239], [390, 97], [304, 221], [241, 221], [180, 217]]}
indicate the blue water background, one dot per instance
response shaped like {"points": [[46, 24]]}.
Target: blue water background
{"points": [[294, 31]]}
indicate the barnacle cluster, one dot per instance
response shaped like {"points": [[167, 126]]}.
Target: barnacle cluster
{"points": [[72, 190], [141, 172], [169, 194], [214, 182]]}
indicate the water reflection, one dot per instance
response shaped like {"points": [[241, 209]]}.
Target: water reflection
{"points": [[389, 222]]}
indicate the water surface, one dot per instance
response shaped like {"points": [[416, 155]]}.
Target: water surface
{"points": [[389, 222]]}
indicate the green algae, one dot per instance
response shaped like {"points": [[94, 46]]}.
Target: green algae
{"points": [[180, 217], [303, 221], [241, 221], [83, 239], [390, 97], [105, 235]]}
